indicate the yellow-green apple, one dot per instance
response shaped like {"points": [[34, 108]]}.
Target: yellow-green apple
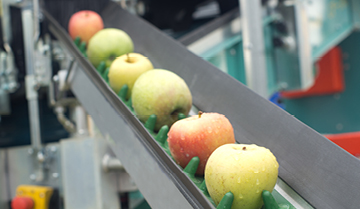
{"points": [[126, 69], [107, 44], [243, 169], [85, 24], [163, 93], [199, 135]]}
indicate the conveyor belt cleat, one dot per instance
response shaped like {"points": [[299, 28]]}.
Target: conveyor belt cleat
{"points": [[122, 95], [150, 123], [101, 67], [191, 168], [181, 116], [162, 135], [82, 48], [81, 45], [129, 104], [161, 138], [269, 201], [204, 190], [77, 41], [226, 201], [105, 75]]}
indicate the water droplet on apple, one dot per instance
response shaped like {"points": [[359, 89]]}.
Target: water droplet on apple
{"points": [[257, 182], [241, 196], [187, 155], [257, 191], [263, 169], [209, 129], [276, 165], [239, 180], [182, 137], [181, 149], [256, 171]]}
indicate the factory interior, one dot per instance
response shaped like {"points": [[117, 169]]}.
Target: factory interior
{"points": [[137, 104]]}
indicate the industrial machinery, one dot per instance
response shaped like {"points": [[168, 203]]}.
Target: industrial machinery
{"points": [[68, 141]]}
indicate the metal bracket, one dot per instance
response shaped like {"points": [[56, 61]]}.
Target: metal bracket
{"points": [[110, 164]]}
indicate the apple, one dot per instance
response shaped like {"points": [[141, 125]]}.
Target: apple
{"points": [[107, 44], [199, 135], [243, 169], [163, 93], [126, 69], [85, 24]]}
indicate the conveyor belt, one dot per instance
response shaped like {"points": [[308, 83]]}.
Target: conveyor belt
{"points": [[154, 172], [321, 172]]}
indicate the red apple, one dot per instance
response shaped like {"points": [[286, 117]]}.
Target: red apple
{"points": [[85, 24], [199, 135]]}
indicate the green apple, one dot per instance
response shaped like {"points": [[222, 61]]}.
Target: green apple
{"points": [[243, 169], [163, 93], [107, 44], [126, 69]]}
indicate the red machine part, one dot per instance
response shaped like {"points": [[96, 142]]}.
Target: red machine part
{"points": [[348, 141], [329, 79], [22, 203]]}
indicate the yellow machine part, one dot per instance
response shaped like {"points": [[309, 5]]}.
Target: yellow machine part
{"points": [[40, 194]]}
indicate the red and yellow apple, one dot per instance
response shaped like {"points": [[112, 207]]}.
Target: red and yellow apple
{"points": [[108, 44], [199, 135], [243, 169], [163, 93], [85, 24]]}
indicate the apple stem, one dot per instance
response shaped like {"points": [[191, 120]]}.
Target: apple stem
{"points": [[244, 148], [200, 113], [128, 58]]}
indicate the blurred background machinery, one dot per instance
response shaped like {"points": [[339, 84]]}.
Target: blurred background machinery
{"points": [[308, 60], [301, 55]]}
